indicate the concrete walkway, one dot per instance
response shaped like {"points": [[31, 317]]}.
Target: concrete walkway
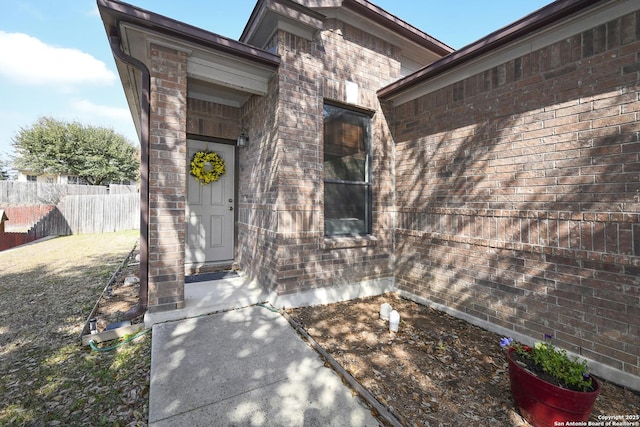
{"points": [[245, 367]]}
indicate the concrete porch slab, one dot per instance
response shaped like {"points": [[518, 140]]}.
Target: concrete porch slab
{"points": [[237, 292], [211, 297]]}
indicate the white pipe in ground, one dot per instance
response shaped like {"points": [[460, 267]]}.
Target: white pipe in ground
{"points": [[385, 309], [394, 321]]}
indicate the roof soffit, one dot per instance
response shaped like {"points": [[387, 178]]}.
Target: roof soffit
{"points": [[397, 26], [219, 69], [215, 76], [202, 63], [115, 12]]}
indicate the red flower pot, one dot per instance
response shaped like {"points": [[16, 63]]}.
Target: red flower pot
{"points": [[542, 404]]}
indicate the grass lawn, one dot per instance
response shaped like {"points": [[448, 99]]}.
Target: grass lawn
{"points": [[47, 291]]}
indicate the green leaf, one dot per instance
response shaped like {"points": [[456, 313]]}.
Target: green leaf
{"points": [[95, 154]]}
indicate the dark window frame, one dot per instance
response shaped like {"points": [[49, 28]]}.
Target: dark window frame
{"points": [[364, 119]]}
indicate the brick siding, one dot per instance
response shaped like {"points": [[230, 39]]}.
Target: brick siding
{"points": [[167, 177], [512, 195], [256, 253], [518, 194], [312, 72], [280, 205], [214, 120]]}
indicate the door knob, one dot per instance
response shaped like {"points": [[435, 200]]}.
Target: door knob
{"points": [[230, 208]]}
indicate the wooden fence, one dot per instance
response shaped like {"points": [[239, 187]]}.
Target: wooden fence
{"points": [[99, 214], [80, 215], [36, 193], [24, 216], [49, 225], [122, 189]]}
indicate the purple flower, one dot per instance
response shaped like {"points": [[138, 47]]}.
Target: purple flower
{"points": [[548, 336], [504, 342]]}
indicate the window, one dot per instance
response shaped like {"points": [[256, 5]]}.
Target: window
{"points": [[32, 178], [347, 172]]}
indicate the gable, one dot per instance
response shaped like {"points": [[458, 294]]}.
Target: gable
{"points": [[305, 18]]}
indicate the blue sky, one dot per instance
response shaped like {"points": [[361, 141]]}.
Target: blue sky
{"points": [[55, 60]]}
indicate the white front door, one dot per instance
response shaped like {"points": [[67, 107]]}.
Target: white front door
{"points": [[209, 210]]}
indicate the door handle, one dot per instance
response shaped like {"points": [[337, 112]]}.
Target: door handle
{"points": [[230, 208]]}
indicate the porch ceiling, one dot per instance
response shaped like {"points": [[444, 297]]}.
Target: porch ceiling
{"points": [[219, 69], [212, 75]]}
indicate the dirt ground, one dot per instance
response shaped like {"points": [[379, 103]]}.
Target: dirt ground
{"points": [[120, 297], [47, 378], [436, 370]]}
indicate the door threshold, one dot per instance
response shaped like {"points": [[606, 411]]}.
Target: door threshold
{"points": [[215, 275], [191, 269]]}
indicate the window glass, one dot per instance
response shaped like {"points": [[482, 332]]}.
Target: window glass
{"points": [[347, 192]]}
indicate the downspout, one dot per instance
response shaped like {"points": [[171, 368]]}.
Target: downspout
{"points": [[145, 107]]}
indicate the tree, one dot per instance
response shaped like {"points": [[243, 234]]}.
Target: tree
{"points": [[4, 170], [96, 154]]}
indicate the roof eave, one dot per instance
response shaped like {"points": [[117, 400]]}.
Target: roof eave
{"points": [[113, 12], [393, 23], [530, 23], [269, 15], [362, 8]]}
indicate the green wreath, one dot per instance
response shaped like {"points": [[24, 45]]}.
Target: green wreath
{"points": [[207, 167]]}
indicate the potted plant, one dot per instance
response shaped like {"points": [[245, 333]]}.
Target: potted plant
{"points": [[547, 386]]}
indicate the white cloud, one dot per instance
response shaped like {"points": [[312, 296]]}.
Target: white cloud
{"points": [[118, 119], [27, 60], [89, 109]]}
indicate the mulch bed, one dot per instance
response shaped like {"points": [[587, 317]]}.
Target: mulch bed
{"points": [[437, 370]]}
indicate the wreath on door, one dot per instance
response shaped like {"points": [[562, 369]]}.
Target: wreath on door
{"points": [[207, 167]]}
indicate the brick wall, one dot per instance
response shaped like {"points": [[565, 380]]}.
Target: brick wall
{"points": [[280, 205], [256, 220], [257, 247], [280, 229], [214, 120], [518, 194], [167, 177], [280, 208], [256, 176], [290, 157]]}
